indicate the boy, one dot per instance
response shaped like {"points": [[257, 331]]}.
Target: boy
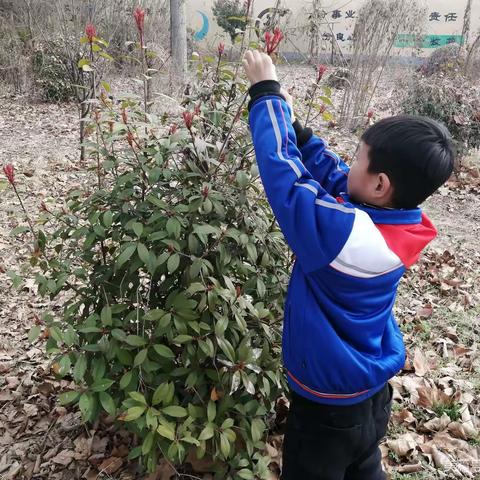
{"points": [[341, 343]]}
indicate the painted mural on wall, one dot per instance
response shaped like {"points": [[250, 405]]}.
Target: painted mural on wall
{"points": [[443, 24]]}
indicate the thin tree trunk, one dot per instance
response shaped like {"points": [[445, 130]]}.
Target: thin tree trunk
{"points": [[466, 23], [178, 40]]}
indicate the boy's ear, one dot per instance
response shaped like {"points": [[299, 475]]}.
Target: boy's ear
{"points": [[384, 186]]}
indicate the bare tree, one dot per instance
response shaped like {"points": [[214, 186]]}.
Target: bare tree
{"points": [[376, 31], [178, 39]]}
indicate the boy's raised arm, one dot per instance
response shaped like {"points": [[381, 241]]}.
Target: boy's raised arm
{"points": [[325, 165], [315, 225]]}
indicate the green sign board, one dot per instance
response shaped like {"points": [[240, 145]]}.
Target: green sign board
{"points": [[406, 40]]}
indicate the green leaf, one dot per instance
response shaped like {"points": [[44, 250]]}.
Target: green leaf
{"points": [[140, 357], [108, 219], [106, 86], [138, 397], [257, 429], [326, 101], [153, 315], [134, 413], [106, 56], [86, 405], [68, 397], [206, 433], [135, 341], [246, 474], [101, 385], [242, 179], [125, 380], [135, 453], [148, 443], [261, 289], [224, 445], [34, 333], [65, 365], [80, 368], [90, 330], [167, 431], [143, 254], [205, 229], [174, 227], [137, 229], [107, 403], [106, 315], [164, 351], [189, 439], [252, 252], [161, 393], [182, 339], [157, 202], [175, 411], [82, 62], [19, 230], [227, 348], [211, 411], [126, 255], [173, 262]]}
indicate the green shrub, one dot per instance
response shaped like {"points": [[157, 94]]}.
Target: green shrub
{"points": [[230, 16], [453, 101], [174, 273], [51, 76]]}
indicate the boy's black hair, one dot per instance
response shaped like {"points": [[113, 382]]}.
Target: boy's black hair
{"points": [[416, 153]]}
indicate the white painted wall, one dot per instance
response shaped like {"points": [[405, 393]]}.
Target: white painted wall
{"points": [[443, 22]]}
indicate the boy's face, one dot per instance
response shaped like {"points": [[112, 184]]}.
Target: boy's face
{"points": [[367, 187]]}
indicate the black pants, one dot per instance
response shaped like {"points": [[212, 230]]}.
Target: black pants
{"points": [[326, 442]]}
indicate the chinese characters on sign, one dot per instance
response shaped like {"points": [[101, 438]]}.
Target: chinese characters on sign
{"points": [[341, 36], [336, 14], [438, 17], [402, 40], [426, 41]]}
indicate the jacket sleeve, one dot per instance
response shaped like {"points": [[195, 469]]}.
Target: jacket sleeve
{"points": [[326, 167], [314, 224]]}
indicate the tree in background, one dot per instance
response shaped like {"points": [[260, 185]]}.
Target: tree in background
{"points": [[231, 16]]}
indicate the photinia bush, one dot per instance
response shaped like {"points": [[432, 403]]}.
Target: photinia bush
{"points": [[173, 272]]}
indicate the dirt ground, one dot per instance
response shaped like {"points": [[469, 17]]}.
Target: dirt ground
{"points": [[434, 429]]}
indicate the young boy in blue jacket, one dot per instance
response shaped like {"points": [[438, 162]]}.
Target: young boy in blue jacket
{"points": [[354, 232]]}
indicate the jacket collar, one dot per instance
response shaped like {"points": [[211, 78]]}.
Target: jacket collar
{"points": [[387, 216]]}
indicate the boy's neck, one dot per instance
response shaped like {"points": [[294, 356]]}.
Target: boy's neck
{"points": [[381, 207]]}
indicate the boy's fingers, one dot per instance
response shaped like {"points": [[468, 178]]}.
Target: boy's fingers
{"points": [[248, 57]]}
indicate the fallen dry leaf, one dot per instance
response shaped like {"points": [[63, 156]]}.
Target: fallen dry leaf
{"points": [[110, 465]]}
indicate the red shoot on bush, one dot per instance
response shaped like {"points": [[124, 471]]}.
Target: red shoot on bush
{"points": [[272, 40], [9, 173], [370, 113], [173, 129], [321, 72], [90, 32], [139, 15], [221, 49], [188, 119]]}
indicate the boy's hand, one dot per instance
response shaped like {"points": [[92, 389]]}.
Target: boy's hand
{"points": [[258, 67]]}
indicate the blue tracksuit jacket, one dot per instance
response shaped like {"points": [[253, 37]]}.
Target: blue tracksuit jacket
{"points": [[341, 342]]}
